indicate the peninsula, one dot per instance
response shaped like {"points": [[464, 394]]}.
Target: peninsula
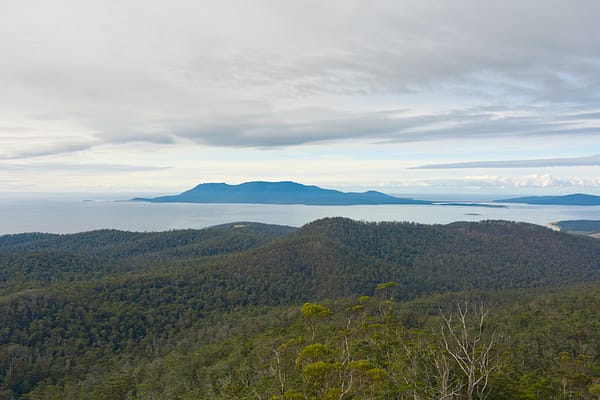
{"points": [[577, 199]]}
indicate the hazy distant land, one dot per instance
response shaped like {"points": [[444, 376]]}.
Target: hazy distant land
{"points": [[577, 199], [291, 193], [278, 193]]}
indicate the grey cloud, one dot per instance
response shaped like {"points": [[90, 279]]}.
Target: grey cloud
{"points": [[417, 47], [590, 161], [219, 77], [45, 150], [85, 169], [133, 135], [584, 116], [298, 127], [486, 126], [277, 130], [526, 181], [7, 131], [379, 127]]}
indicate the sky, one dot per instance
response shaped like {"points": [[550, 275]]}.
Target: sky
{"points": [[399, 96]]}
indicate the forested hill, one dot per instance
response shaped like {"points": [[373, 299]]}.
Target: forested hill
{"points": [[209, 241], [329, 257], [75, 306], [342, 257], [31, 259]]}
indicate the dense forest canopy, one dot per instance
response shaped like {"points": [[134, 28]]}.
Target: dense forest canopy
{"points": [[218, 312]]}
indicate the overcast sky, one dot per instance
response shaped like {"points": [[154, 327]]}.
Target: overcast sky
{"points": [[400, 96]]}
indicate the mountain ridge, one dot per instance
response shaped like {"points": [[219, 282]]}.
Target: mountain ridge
{"points": [[283, 192], [330, 255]]}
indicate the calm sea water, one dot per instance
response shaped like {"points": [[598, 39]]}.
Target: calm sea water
{"points": [[67, 214]]}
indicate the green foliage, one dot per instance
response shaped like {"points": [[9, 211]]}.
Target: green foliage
{"points": [[313, 353], [364, 355], [312, 310], [214, 313]]}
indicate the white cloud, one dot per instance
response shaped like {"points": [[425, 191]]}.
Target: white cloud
{"points": [[520, 182]]}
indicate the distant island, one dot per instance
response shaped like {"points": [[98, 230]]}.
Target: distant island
{"points": [[577, 199], [279, 193]]}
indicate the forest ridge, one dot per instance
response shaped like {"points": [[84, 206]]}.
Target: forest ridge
{"points": [[99, 314]]}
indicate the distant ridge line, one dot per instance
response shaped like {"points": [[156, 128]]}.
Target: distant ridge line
{"points": [[576, 199], [284, 192]]}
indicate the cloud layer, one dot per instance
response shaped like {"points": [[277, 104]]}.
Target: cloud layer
{"points": [[430, 83], [231, 74], [590, 161]]}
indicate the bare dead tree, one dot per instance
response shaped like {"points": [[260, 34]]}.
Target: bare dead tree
{"points": [[278, 364], [428, 372], [469, 347], [446, 387]]}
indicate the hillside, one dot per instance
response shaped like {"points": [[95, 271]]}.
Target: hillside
{"points": [[328, 258], [341, 257], [74, 305], [277, 193], [116, 244], [33, 259]]}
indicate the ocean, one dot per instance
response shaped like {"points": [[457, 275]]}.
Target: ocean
{"points": [[69, 213]]}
